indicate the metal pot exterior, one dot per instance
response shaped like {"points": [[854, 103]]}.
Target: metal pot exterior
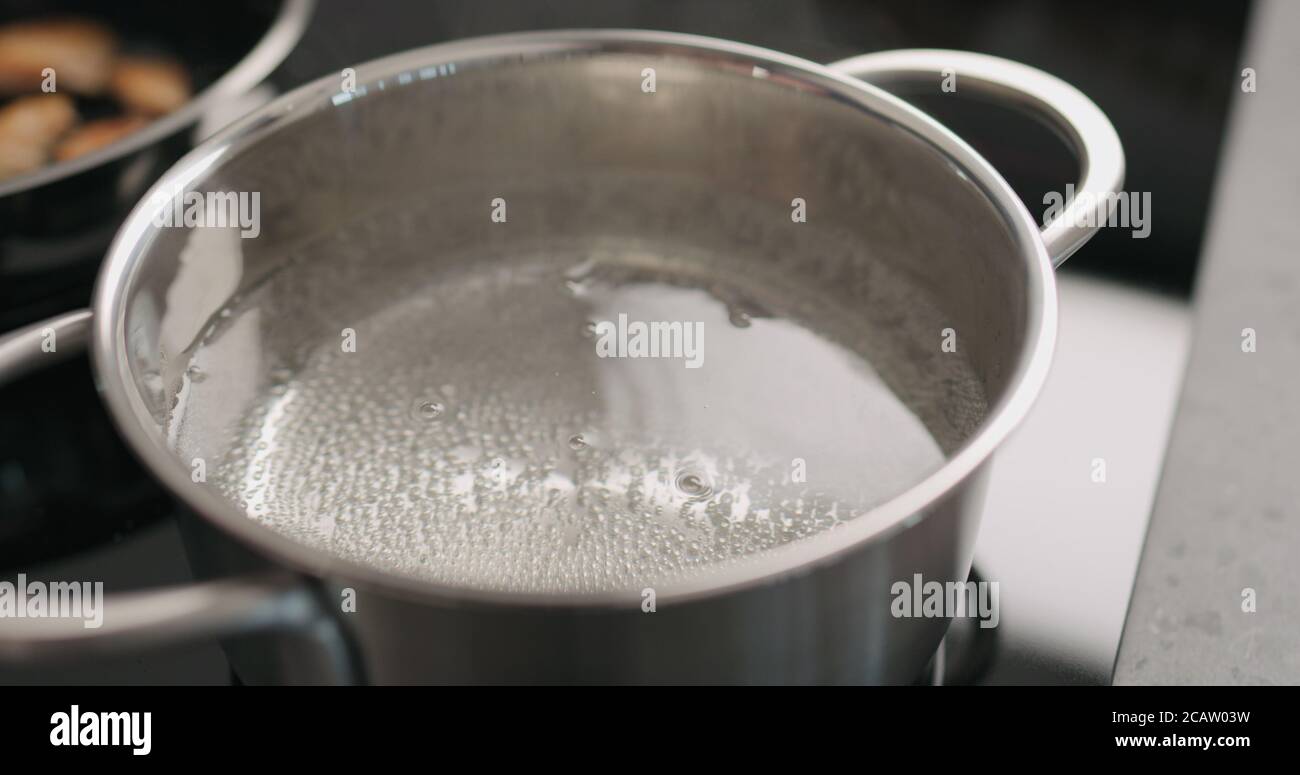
{"points": [[831, 624]]}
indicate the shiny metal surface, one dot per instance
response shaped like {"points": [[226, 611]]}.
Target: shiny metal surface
{"points": [[174, 616], [25, 350], [816, 610], [281, 146], [1063, 107]]}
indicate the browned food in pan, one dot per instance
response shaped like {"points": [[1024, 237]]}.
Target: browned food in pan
{"points": [[29, 128], [92, 136], [150, 85], [80, 53]]}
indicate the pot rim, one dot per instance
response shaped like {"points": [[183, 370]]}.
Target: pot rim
{"points": [[281, 36], [898, 513]]}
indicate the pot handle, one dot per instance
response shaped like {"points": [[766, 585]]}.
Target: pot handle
{"points": [[136, 621], [1063, 107], [143, 620]]}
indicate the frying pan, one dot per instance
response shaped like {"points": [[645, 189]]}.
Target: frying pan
{"points": [[56, 222]]}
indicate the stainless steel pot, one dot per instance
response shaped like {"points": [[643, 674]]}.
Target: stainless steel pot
{"points": [[816, 610]]}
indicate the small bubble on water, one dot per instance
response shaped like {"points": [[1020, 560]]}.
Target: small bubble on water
{"points": [[429, 410], [577, 442], [739, 317], [692, 484]]}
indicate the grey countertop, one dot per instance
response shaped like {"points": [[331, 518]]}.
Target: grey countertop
{"points": [[1226, 524]]}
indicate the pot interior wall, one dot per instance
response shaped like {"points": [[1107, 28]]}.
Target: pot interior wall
{"points": [[401, 179]]}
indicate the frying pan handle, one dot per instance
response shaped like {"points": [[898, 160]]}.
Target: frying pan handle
{"points": [[43, 344], [135, 621], [1065, 108], [131, 622]]}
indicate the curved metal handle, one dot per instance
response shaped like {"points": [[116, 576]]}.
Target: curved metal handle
{"points": [[1095, 142], [150, 619], [43, 344], [134, 621]]}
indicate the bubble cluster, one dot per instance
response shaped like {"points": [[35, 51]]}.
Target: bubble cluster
{"points": [[474, 438]]}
